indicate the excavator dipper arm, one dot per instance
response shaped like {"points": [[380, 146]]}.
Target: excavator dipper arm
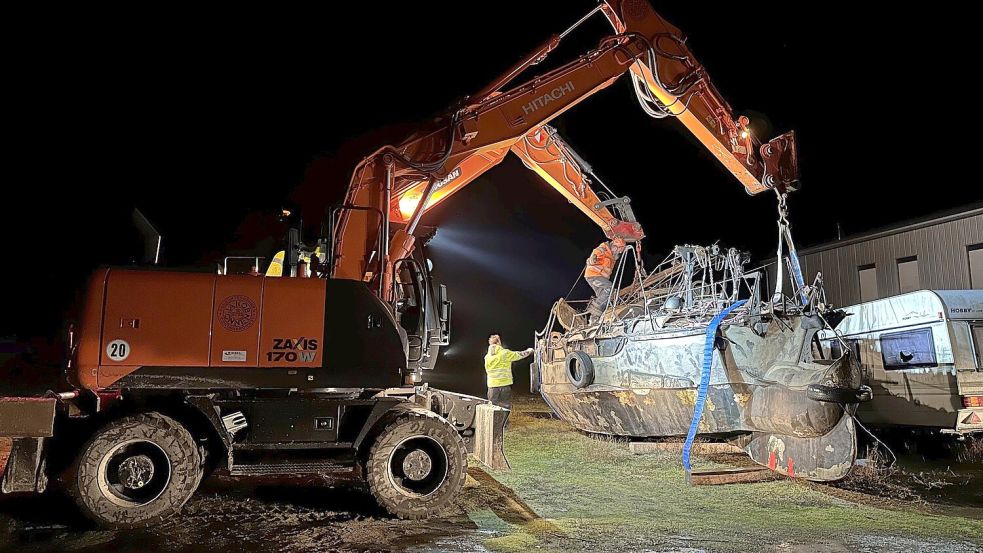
{"points": [[546, 154], [670, 82]]}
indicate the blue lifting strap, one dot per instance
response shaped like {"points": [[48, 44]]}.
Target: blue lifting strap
{"points": [[793, 257], [701, 393]]}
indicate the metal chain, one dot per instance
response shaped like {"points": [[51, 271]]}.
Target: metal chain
{"points": [[782, 208], [778, 296]]}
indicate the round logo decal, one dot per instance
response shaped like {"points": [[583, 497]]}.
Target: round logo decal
{"points": [[118, 350], [237, 313]]}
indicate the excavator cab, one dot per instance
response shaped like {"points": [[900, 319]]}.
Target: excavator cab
{"points": [[422, 308], [412, 311]]}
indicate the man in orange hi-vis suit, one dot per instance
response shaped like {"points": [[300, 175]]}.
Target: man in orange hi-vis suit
{"points": [[600, 265]]}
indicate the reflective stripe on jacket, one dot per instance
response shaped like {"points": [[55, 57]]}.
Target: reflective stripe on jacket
{"points": [[601, 262], [498, 365]]}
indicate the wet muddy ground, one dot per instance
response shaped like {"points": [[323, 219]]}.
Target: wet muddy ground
{"points": [[567, 492], [231, 515], [944, 479], [936, 471]]}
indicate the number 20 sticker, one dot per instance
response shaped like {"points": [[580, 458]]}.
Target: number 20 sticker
{"points": [[118, 350]]}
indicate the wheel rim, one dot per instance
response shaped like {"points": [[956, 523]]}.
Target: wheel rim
{"points": [[418, 466], [134, 473]]}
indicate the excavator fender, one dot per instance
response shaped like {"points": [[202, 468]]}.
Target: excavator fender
{"points": [[481, 424]]}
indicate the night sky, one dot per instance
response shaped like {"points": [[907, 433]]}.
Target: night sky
{"points": [[210, 122]]}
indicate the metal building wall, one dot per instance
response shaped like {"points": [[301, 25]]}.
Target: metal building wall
{"points": [[940, 246]]}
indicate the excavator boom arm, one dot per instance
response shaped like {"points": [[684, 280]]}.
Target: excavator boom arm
{"points": [[433, 164], [397, 184]]}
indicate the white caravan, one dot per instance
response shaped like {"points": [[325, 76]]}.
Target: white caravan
{"points": [[922, 355]]}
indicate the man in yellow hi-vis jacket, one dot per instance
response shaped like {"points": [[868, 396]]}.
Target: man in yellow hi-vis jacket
{"points": [[498, 366]]}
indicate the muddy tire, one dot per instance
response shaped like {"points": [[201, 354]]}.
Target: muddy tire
{"points": [[417, 465], [832, 394], [136, 471]]}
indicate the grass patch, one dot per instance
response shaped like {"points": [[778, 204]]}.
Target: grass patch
{"points": [[600, 496], [519, 541], [970, 451]]}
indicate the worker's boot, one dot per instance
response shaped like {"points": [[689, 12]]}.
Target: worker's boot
{"points": [[590, 311], [594, 312]]}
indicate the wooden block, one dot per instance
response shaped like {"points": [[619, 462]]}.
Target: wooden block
{"points": [[699, 448], [736, 475]]}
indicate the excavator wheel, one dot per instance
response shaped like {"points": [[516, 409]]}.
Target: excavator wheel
{"points": [[136, 471], [417, 465]]}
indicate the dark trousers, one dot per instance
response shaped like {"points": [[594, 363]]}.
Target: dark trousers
{"points": [[602, 293], [501, 396]]}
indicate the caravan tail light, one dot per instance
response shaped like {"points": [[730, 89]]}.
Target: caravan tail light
{"points": [[972, 401]]}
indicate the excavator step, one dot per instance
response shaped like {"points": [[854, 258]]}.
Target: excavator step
{"points": [[274, 469]]}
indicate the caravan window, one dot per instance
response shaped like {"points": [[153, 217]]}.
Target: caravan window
{"points": [[911, 348]]}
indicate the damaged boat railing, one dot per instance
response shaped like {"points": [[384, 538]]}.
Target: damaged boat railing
{"points": [[692, 282], [686, 289], [689, 286]]}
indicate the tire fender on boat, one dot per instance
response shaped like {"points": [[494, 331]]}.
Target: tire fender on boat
{"points": [[580, 369]]}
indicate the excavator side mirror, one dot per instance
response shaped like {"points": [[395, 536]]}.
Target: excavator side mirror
{"points": [[444, 303], [445, 306]]}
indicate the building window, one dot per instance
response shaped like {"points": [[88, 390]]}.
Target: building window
{"points": [[908, 274], [976, 267], [868, 283]]}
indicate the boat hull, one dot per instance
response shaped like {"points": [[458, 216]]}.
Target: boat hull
{"points": [[763, 383]]}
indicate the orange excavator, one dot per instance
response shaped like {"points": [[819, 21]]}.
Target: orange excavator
{"points": [[174, 374]]}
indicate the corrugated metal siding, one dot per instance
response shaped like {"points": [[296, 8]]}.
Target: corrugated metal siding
{"points": [[941, 249]]}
